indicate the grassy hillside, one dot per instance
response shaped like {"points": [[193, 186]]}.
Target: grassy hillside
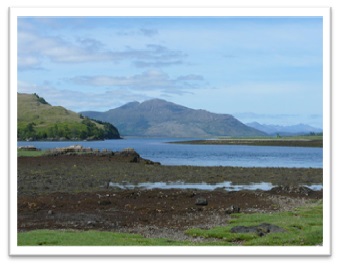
{"points": [[38, 120]]}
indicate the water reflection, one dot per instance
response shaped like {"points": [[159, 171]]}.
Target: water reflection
{"points": [[228, 186]]}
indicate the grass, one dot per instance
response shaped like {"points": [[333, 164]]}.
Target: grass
{"points": [[38, 120], [89, 238], [25, 153], [303, 227]]}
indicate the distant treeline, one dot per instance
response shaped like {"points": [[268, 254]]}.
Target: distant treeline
{"points": [[84, 130], [314, 134]]}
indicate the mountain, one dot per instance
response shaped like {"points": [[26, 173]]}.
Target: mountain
{"points": [[284, 130], [159, 118], [38, 120]]}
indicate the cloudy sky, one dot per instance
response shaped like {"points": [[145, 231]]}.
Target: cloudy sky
{"points": [[265, 69]]}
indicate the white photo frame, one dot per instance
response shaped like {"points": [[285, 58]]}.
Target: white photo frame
{"points": [[323, 250]]}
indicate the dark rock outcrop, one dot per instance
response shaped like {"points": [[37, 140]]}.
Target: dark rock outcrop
{"points": [[292, 189]]}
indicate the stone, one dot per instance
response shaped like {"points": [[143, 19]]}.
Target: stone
{"points": [[91, 223], [104, 202], [201, 201], [233, 209], [261, 229], [292, 189]]}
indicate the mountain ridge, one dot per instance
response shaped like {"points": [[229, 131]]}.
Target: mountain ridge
{"points": [[161, 118], [271, 129]]}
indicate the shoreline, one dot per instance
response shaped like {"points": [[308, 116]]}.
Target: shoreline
{"points": [[74, 173], [68, 192], [256, 142]]}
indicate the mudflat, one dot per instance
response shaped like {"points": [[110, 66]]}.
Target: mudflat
{"points": [[72, 192]]}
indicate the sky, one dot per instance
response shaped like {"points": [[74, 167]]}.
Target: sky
{"points": [[264, 69]]}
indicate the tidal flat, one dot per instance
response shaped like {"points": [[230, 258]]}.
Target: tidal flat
{"points": [[74, 173], [73, 192]]}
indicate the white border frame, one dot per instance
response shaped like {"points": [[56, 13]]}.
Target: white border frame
{"points": [[324, 250]]}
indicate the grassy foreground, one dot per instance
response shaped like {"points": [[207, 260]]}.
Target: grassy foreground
{"points": [[88, 238], [303, 227]]}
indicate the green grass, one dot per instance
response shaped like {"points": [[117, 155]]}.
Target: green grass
{"points": [[38, 120], [303, 228], [24, 153], [89, 238]]}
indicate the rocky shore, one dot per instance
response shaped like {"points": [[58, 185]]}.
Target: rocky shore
{"points": [[91, 172], [70, 191]]}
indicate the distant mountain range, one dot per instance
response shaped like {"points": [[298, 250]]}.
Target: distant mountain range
{"points": [[160, 118], [284, 130]]}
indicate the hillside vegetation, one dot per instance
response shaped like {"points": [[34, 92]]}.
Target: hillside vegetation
{"points": [[38, 120]]}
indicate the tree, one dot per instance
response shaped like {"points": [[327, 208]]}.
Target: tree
{"points": [[27, 132], [41, 99]]}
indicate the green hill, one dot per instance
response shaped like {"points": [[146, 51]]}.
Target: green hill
{"points": [[38, 120]]}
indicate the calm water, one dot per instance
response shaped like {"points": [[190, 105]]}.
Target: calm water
{"points": [[228, 186], [205, 155]]}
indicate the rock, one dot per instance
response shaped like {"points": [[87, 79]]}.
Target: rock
{"points": [[104, 202], [150, 162], [129, 153], [192, 194], [292, 189], [50, 212], [91, 223], [201, 201], [261, 229], [28, 148], [233, 209]]}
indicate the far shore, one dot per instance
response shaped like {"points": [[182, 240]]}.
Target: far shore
{"points": [[299, 142]]}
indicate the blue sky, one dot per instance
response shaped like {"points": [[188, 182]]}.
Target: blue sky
{"points": [[265, 69]]}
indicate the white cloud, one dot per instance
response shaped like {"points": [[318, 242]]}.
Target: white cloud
{"points": [[77, 101], [148, 32], [34, 48], [28, 62], [149, 80], [261, 66]]}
